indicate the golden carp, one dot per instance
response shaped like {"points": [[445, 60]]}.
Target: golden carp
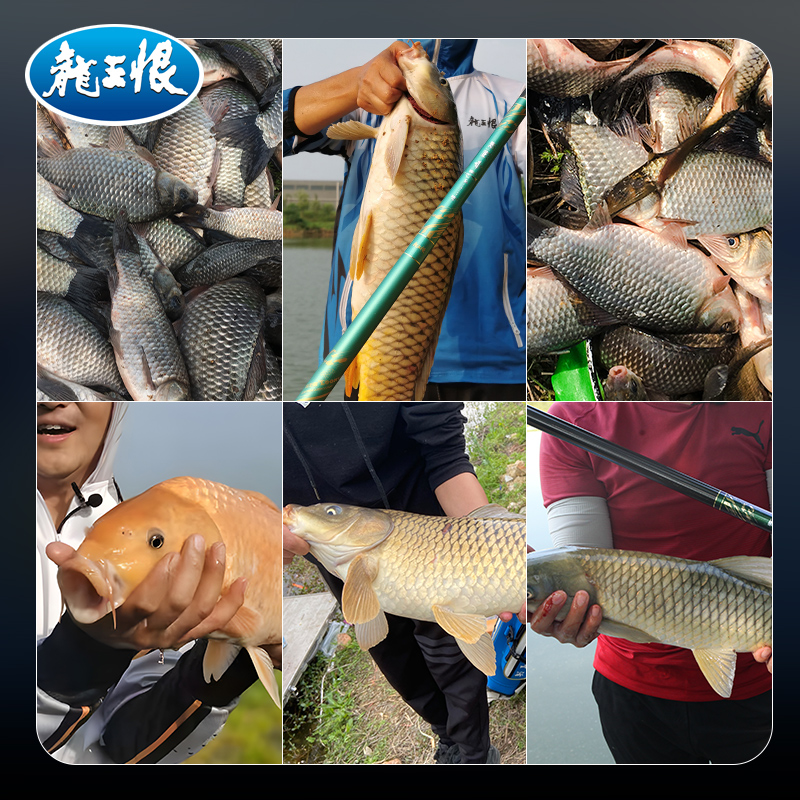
{"points": [[416, 161], [124, 545], [716, 609], [455, 571]]}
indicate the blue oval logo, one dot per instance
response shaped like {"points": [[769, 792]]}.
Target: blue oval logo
{"points": [[114, 74]]}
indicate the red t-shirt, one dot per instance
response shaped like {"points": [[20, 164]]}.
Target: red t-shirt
{"points": [[726, 445]]}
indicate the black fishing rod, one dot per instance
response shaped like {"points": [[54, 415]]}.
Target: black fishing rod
{"points": [[642, 465]]}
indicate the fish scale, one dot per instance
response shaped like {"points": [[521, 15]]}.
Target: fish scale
{"points": [[395, 361], [716, 609]]}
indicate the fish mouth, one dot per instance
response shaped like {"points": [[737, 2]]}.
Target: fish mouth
{"points": [[90, 589], [424, 114]]}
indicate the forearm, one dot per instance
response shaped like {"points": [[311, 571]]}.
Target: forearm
{"points": [[319, 104], [582, 521], [460, 495]]}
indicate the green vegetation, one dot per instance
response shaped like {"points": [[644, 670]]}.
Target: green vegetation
{"points": [[308, 215], [495, 438]]}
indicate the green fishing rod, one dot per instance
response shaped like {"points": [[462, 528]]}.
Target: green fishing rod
{"points": [[390, 288], [642, 465]]}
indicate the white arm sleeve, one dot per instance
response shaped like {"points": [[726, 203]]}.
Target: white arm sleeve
{"points": [[580, 521]]}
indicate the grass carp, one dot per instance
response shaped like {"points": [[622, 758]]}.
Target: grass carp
{"points": [[124, 545], [416, 161], [716, 609], [453, 571]]}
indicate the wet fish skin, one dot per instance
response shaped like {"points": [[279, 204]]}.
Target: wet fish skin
{"points": [[746, 257], [669, 368], [221, 334], [453, 571], [124, 545], [102, 181], [622, 385], [415, 163], [227, 259], [716, 609], [144, 342], [69, 345], [637, 276]]}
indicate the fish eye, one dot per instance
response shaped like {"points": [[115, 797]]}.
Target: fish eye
{"points": [[155, 539], [333, 511], [184, 195], [733, 241], [443, 81]]}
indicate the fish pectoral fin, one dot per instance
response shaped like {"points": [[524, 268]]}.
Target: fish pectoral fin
{"points": [[494, 511], [219, 655], [351, 130], [468, 627], [242, 625], [480, 654], [718, 667], [622, 631], [396, 145], [359, 601], [266, 672], [368, 634]]}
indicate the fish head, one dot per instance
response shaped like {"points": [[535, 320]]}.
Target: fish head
{"points": [[337, 533], [554, 570], [721, 313], [173, 193], [623, 384], [428, 90], [124, 545]]}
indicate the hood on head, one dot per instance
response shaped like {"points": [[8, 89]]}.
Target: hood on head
{"points": [[450, 56]]}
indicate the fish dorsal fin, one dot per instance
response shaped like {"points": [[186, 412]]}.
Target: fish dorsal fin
{"points": [[219, 655], [718, 667], [359, 601], [351, 130], [494, 511], [395, 147], [266, 672], [480, 654], [368, 634], [116, 138], [751, 568], [469, 627]]}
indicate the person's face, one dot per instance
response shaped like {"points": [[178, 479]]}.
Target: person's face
{"points": [[69, 439]]}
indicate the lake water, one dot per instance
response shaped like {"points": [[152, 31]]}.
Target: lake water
{"points": [[306, 273]]}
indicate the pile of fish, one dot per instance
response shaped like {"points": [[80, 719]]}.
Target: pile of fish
{"points": [[650, 215], [159, 245]]}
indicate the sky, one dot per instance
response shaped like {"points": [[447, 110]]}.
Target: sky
{"points": [[309, 60], [238, 444]]}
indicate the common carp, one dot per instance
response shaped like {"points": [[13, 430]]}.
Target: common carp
{"points": [[716, 609], [124, 545], [455, 571], [417, 159]]}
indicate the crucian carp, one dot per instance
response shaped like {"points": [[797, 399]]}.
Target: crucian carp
{"points": [[455, 571], [124, 545]]}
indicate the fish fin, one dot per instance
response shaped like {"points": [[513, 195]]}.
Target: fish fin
{"points": [[219, 655], [351, 130], [674, 231], [622, 631], [393, 155], [718, 246], [344, 300], [352, 377], [359, 601], [360, 247], [751, 568], [480, 654], [368, 634], [715, 381], [600, 217], [469, 627], [494, 511], [146, 155], [116, 138], [266, 672], [718, 667]]}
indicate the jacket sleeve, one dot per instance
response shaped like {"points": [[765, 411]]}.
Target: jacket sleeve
{"points": [[295, 141], [97, 704]]}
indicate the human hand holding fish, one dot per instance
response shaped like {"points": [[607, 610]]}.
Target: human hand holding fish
{"points": [[764, 656], [180, 600], [578, 627], [293, 546], [380, 81]]}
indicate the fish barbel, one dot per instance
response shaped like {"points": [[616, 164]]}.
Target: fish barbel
{"points": [[124, 545], [416, 161], [716, 609], [453, 571]]}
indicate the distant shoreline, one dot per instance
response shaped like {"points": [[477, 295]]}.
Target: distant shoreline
{"points": [[315, 233]]}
